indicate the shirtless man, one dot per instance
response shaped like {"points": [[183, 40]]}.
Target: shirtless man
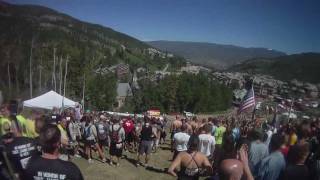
{"points": [[194, 125], [189, 126], [236, 169], [175, 127]]}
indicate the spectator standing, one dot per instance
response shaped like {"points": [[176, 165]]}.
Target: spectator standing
{"points": [[49, 165], [117, 137]]}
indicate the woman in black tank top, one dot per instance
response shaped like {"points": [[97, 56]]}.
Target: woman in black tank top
{"points": [[191, 166]]}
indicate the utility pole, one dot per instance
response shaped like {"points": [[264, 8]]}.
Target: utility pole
{"points": [[30, 68]]}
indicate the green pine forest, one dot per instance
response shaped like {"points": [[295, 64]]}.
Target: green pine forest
{"points": [[39, 45]]}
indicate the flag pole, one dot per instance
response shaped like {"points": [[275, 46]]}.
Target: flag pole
{"points": [[254, 107]]}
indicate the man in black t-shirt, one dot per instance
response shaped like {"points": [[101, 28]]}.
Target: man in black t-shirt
{"points": [[19, 150], [49, 166], [146, 140]]}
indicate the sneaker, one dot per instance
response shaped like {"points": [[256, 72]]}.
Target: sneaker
{"points": [[117, 164], [104, 160], [77, 156], [111, 163], [90, 161]]}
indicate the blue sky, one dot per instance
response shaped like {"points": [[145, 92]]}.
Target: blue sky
{"points": [[291, 26]]}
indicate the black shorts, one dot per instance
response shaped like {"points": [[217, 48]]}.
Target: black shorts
{"points": [[114, 151], [172, 134], [103, 142], [90, 142], [145, 147], [163, 135], [129, 137]]}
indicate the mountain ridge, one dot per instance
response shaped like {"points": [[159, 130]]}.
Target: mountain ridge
{"points": [[213, 54], [303, 67]]}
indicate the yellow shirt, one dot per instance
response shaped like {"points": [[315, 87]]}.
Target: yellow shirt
{"points": [[31, 129], [5, 125], [293, 139], [64, 135], [22, 124]]}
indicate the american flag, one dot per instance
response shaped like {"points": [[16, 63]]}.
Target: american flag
{"points": [[247, 101]]}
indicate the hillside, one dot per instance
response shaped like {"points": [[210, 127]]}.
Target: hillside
{"points": [[304, 67], [213, 55], [42, 34]]}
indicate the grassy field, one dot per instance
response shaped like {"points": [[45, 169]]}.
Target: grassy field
{"points": [[127, 169]]}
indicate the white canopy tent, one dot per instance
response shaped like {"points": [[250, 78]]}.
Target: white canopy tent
{"points": [[48, 101]]}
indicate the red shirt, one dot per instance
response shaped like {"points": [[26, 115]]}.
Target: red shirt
{"points": [[285, 150], [128, 126]]}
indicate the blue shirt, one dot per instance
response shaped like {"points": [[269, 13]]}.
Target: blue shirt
{"points": [[271, 166]]}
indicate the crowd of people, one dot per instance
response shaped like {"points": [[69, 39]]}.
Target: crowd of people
{"points": [[40, 146], [230, 147]]}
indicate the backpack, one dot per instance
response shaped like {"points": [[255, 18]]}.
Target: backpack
{"points": [[101, 131], [115, 135], [87, 132]]}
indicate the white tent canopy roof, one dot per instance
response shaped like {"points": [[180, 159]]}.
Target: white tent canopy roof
{"points": [[48, 101]]}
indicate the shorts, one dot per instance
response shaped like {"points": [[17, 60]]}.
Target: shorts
{"points": [[114, 151], [172, 134], [103, 142], [145, 147], [163, 135], [129, 137], [90, 142]]}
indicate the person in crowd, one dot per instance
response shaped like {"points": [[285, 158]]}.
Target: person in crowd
{"points": [[175, 126], [19, 149], [48, 165], [180, 140], [5, 123], [296, 168], [137, 133], [207, 142], [293, 138], [102, 127], [74, 134], [156, 130], [163, 134], [128, 126], [234, 169], [145, 146], [90, 137], [77, 113], [268, 135], [117, 138], [218, 135], [257, 151], [271, 167], [191, 162]]}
